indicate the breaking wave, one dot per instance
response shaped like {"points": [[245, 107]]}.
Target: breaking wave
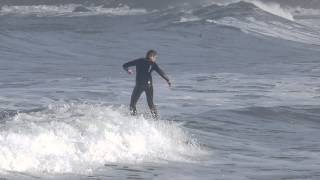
{"points": [[78, 138], [69, 10], [254, 17], [274, 9]]}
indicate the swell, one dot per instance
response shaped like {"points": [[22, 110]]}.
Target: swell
{"points": [[298, 114], [259, 122], [251, 17]]}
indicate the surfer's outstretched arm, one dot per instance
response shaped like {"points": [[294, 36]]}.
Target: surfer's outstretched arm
{"points": [[126, 66], [162, 74]]}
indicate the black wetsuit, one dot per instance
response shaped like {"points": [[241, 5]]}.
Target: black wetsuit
{"points": [[144, 68]]}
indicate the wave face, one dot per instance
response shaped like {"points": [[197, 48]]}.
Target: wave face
{"points": [[256, 17], [76, 138]]}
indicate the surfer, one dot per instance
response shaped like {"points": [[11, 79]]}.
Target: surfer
{"points": [[144, 68]]}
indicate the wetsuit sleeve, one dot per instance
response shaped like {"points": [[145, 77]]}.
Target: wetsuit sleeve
{"points": [[160, 72], [125, 66]]}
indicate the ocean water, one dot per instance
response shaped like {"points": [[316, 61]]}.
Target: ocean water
{"points": [[244, 104]]}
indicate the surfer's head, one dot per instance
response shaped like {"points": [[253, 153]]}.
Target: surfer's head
{"points": [[152, 55]]}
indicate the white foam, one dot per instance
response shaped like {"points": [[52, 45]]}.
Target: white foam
{"points": [[270, 7], [37, 9], [120, 11], [68, 10], [189, 19], [78, 138], [273, 8]]}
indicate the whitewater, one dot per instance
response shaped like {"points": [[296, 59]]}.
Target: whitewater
{"points": [[244, 102]]}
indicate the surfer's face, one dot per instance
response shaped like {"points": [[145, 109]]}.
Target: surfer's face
{"points": [[153, 58]]}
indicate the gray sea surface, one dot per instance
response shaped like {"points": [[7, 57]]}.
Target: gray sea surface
{"points": [[244, 102]]}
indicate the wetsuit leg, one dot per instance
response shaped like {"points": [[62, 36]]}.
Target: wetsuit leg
{"points": [[149, 94], [137, 91]]}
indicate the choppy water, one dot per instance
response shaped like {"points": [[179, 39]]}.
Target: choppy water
{"points": [[244, 102]]}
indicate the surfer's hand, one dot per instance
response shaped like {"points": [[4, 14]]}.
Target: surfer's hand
{"points": [[130, 71], [169, 83]]}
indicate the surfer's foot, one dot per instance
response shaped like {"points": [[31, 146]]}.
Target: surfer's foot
{"points": [[133, 112], [154, 115]]}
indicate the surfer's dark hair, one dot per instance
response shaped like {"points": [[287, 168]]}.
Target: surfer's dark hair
{"points": [[151, 53]]}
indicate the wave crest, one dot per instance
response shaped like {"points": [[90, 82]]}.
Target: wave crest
{"points": [[273, 8]]}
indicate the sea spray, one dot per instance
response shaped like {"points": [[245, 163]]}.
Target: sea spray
{"points": [[78, 138]]}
